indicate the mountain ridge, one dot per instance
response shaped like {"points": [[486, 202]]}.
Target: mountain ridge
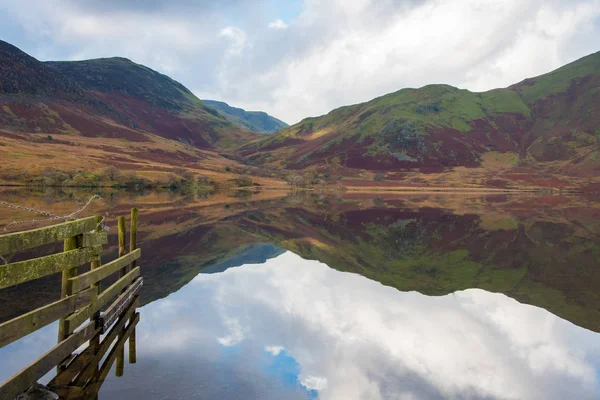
{"points": [[135, 97], [257, 121]]}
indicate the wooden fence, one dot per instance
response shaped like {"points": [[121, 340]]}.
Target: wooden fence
{"points": [[77, 375]]}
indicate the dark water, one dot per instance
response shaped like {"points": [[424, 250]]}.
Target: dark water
{"points": [[311, 296]]}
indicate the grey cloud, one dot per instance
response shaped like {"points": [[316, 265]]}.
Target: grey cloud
{"points": [[333, 53]]}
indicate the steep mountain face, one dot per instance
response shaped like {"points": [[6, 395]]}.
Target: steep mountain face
{"points": [[22, 74], [549, 124], [256, 121], [111, 97]]}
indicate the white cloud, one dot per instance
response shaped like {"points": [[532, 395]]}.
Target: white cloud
{"points": [[333, 53], [353, 338], [278, 24], [314, 382], [273, 350]]}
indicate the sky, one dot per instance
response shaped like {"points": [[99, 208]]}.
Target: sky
{"points": [[296, 329], [301, 58]]}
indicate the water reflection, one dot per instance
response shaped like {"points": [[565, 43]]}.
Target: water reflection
{"points": [[292, 328]]}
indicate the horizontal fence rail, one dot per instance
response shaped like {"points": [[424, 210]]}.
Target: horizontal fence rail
{"points": [[78, 375], [19, 241]]}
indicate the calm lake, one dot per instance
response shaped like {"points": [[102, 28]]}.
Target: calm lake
{"points": [[273, 295]]}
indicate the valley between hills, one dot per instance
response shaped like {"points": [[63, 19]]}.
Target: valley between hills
{"points": [[112, 122]]}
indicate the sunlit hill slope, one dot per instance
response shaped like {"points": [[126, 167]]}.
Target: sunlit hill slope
{"points": [[544, 131]]}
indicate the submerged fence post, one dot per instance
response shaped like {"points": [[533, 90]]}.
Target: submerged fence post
{"points": [[122, 251], [132, 247]]}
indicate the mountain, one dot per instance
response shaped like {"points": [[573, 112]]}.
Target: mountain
{"points": [[112, 97], [87, 115], [543, 131], [257, 121]]}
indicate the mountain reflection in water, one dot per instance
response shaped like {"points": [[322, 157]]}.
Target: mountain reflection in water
{"points": [[235, 308], [293, 328]]}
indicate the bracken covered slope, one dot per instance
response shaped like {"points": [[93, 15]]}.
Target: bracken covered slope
{"points": [[540, 132], [74, 120], [111, 97]]}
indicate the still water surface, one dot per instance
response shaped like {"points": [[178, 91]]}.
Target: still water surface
{"points": [[259, 296]]}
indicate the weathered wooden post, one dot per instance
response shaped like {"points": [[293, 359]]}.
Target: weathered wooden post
{"points": [[79, 374], [132, 247], [95, 264], [69, 244], [122, 251]]}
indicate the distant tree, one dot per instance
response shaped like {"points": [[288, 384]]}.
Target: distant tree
{"points": [[173, 182], [111, 172], [49, 138]]}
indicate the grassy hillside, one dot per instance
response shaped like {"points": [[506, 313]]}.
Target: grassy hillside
{"points": [[73, 120], [548, 124], [256, 121], [112, 97]]}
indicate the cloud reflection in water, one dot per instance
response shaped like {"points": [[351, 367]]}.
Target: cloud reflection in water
{"points": [[297, 329]]}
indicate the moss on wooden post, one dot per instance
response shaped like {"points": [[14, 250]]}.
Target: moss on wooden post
{"points": [[122, 251], [69, 244]]}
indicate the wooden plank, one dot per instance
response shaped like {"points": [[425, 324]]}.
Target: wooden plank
{"points": [[98, 379], [27, 376], [74, 320], [18, 241], [23, 271], [122, 302], [69, 392], [123, 272], [96, 275], [94, 239], [32, 321], [86, 362]]}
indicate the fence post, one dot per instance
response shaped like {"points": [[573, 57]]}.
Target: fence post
{"points": [[69, 244], [65, 290], [97, 263], [132, 247], [122, 251]]}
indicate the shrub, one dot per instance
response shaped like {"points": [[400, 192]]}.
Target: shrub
{"points": [[379, 177]]}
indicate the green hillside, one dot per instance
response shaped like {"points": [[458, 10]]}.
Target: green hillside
{"points": [[551, 118]]}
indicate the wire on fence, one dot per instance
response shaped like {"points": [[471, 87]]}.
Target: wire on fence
{"points": [[52, 216]]}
